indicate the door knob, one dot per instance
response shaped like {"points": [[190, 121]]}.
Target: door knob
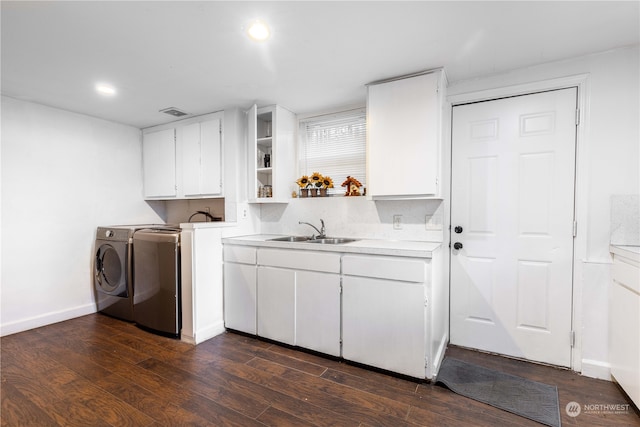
{"points": [[458, 229], [457, 246]]}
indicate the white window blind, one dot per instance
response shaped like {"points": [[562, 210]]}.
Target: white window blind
{"points": [[334, 145]]}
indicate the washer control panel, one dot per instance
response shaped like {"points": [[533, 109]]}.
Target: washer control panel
{"points": [[115, 234]]}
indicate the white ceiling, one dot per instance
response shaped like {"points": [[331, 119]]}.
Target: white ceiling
{"points": [[195, 55]]}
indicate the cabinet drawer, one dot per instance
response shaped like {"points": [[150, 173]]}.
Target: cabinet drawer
{"points": [[326, 262], [626, 274], [394, 268], [241, 254]]}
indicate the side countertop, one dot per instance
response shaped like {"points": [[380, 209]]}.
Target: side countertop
{"points": [[631, 252], [210, 224], [360, 246]]}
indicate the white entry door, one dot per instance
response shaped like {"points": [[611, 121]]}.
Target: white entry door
{"points": [[512, 213]]}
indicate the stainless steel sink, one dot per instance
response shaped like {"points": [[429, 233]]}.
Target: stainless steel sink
{"points": [[291, 239], [332, 240]]}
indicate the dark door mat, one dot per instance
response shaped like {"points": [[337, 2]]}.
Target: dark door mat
{"points": [[520, 396]]}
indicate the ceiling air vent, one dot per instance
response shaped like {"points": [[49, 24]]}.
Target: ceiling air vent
{"points": [[173, 112]]}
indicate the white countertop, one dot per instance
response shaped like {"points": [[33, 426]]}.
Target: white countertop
{"points": [[631, 252], [360, 246]]}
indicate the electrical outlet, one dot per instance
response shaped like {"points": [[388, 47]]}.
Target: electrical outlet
{"points": [[244, 213], [397, 222]]}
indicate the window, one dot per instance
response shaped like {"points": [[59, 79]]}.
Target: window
{"points": [[335, 146]]}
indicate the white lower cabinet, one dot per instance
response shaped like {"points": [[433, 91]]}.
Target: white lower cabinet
{"points": [[381, 311], [318, 311], [384, 312], [276, 304], [240, 288], [383, 324], [392, 309], [624, 322], [297, 306]]}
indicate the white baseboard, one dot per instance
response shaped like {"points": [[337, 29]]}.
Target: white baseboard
{"points": [[201, 335], [46, 319], [596, 369], [439, 356]]}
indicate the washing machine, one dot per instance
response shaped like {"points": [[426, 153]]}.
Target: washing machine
{"points": [[112, 272], [113, 268]]}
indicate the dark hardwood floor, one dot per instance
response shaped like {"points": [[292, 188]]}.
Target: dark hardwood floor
{"points": [[98, 371]]}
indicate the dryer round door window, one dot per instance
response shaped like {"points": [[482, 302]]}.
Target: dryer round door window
{"points": [[110, 270]]}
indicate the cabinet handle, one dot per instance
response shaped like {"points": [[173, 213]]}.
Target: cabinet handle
{"points": [[458, 229], [457, 246]]}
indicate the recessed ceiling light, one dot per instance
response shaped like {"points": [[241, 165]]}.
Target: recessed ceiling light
{"points": [[105, 89], [258, 30]]}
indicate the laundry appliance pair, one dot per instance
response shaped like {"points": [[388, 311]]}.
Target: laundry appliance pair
{"points": [[139, 284]]}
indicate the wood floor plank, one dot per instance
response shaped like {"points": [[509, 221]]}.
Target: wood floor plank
{"points": [[350, 369], [162, 410], [356, 405], [115, 411], [217, 414], [276, 418], [222, 392], [291, 362], [19, 410], [281, 400]]}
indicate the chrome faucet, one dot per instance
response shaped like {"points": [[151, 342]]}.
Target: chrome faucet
{"points": [[321, 232]]}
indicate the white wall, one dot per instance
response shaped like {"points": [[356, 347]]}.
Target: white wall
{"points": [[609, 159], [63, 175]]}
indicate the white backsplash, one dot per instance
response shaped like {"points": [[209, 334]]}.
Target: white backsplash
{"points": [[421, 220], [625, 220]]}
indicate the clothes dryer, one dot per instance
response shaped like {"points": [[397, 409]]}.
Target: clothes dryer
{"points": [[157, 299], [113, 268]]}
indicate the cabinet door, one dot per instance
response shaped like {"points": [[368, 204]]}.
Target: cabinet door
{"points": [[240, 297], [159, 164], [190, 146], [318, 312], [210, 158], [403, 137], [383, 324], [276, 304], [252, 137], [201, 166]]}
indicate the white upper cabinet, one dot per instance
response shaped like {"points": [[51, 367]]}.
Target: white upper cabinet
{"points": [[271, 154], [404, 118], [159, 164], [201, 149], [182, 160]]}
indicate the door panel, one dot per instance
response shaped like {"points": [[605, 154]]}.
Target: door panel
{"points": [[240, 296], [159, 163], [276, 304], [318, 312], [513, 167], [211, 157]]}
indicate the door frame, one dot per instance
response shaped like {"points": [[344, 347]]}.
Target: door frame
{"points": [[582, 82]]}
